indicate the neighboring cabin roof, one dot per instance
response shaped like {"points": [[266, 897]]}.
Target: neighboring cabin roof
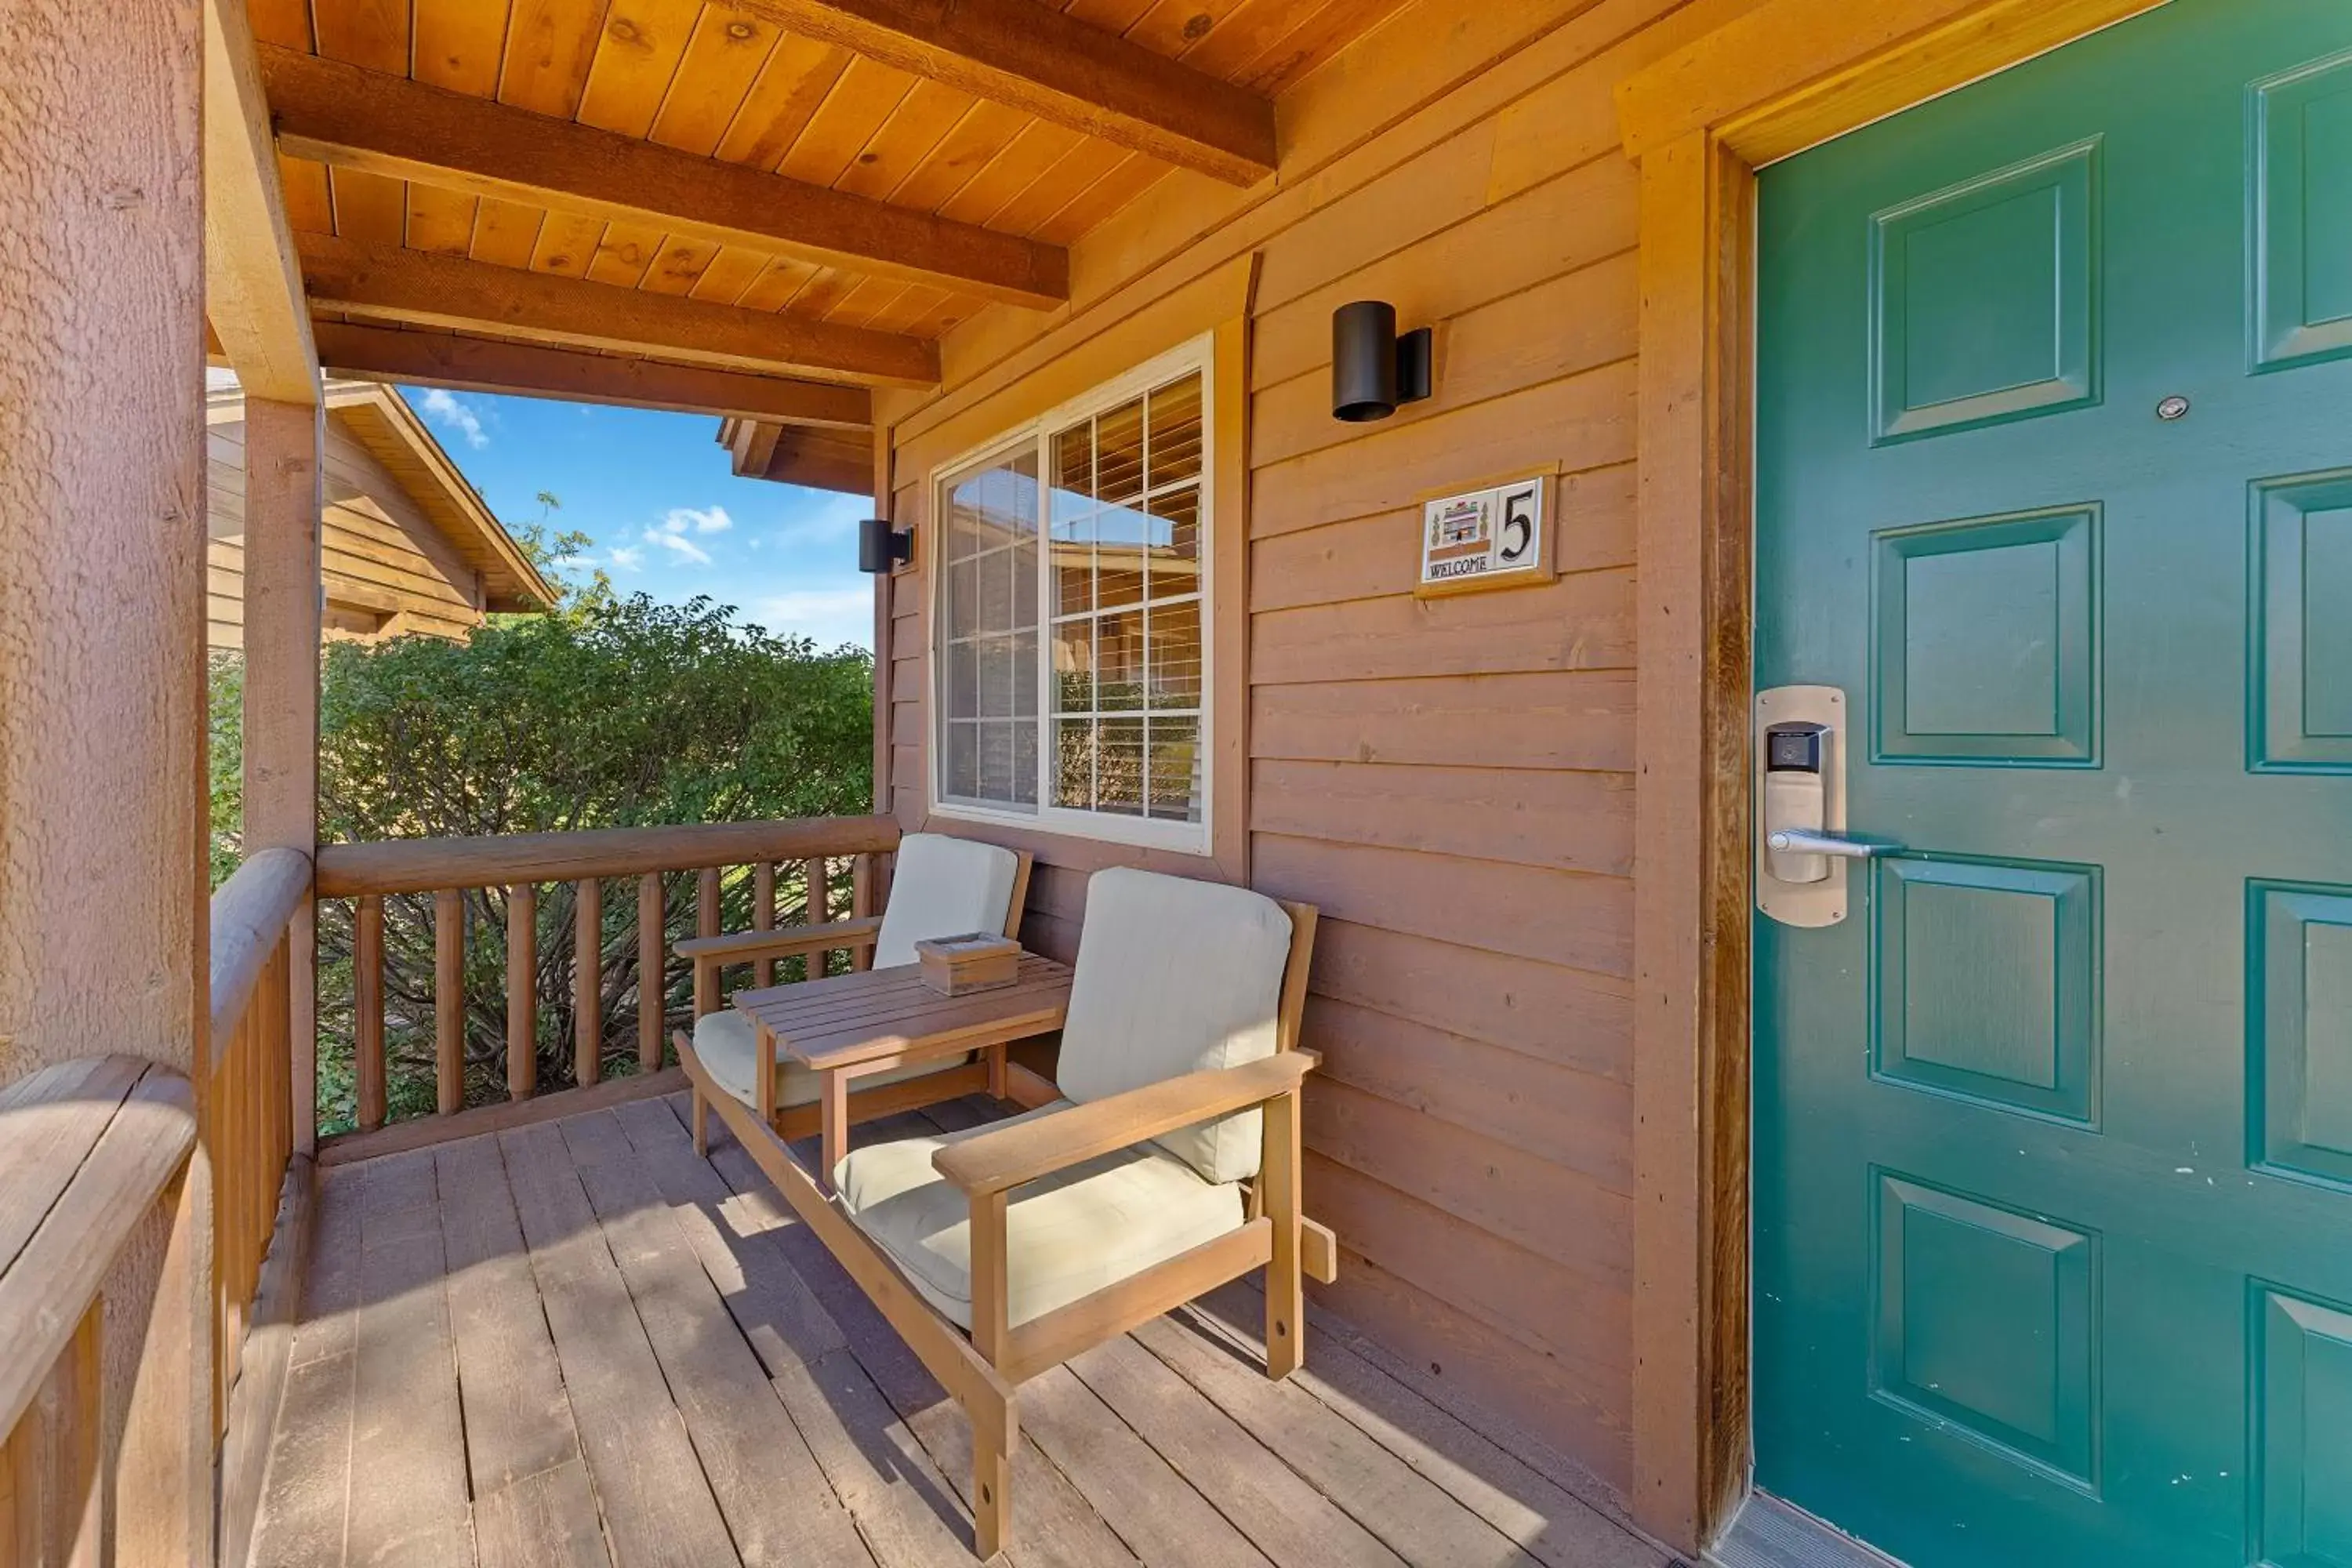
{"points": [[380, 420]]}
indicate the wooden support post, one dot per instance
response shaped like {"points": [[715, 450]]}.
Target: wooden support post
{"points": [[653, 974], [103, 918], [102, 776], [283, 463], [367, 988], [763, 918], [522, 991], [588, 983], [449, 1000]]}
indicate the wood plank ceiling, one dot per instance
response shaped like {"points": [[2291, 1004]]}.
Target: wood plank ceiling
{"points": [[753, 186]]}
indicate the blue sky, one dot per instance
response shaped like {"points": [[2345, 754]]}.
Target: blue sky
{"points": [[669, 517]]}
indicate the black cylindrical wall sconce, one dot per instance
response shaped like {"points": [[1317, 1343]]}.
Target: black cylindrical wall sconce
{"points": [[1372, 369], [879, 548]]}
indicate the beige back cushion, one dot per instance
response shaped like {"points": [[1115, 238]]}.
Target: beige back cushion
{"points": [[943, 887], [1175, 976]]}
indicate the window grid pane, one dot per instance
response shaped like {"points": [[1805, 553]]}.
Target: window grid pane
{"points": [[1121, 649], [1127, 694], [989, 632]]}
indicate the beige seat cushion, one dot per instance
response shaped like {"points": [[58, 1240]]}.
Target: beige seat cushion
{"points": [[1175, 976], [943, 887], [725, 1044], [1066, 1236]]}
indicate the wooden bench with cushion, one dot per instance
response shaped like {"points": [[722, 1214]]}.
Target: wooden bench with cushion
{"points": [[1169, 1166]]}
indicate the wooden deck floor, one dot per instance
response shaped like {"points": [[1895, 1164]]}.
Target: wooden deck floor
{"points": [[578, 1344]]}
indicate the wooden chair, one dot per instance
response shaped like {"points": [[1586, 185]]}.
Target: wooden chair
{"points": [[941, 887], [1169, 1166]]}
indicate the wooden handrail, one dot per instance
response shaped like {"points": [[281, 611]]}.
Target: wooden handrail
{"points": [[430, 865], [245, 1092], [248, 920], [108, 1135], [491, 887]]}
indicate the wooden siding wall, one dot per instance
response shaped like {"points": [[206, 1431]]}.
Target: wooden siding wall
{"points": [[1451, 781], [383, 558]]}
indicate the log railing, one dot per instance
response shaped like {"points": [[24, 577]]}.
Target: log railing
{"points": [[595, 959], [249, 1112], [91, 1152]]}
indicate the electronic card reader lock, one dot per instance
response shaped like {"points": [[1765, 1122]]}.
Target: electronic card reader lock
{"points": [[1802, 850]]}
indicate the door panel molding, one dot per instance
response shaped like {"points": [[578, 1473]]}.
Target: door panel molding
{"points": [[1787, 76]]}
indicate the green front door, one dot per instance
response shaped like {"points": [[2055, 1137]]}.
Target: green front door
{"points": [[2053, 1132]]}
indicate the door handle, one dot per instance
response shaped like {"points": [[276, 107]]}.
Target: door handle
{"points": [[1837, 846]]}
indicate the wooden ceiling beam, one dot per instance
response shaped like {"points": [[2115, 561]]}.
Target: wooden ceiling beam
{"points": [[253, 291], [391, 283], [479, 364], [1032, 56], [382, 125]]}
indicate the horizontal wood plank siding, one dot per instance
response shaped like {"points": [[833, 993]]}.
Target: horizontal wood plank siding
{"points": [[385, 566], [1450, 780]]}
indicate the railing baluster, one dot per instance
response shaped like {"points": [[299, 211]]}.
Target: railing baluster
{"points": [[861, 905], [763, 918], [510, 876], [588, 983], [522, 991], [706, 924], [449, 1000], [367, 967], [59, 1502], [653, 979], [820, 911]]}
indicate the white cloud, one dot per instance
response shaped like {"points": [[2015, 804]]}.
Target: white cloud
{"points": [[679, 545], [629, 557], [831, 616], [444, 409], [672, 532]]}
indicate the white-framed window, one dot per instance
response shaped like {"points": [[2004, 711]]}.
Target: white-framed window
{"points": [[1071, 609]]}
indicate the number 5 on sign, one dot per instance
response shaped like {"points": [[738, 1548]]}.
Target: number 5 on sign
{"points": [[1492, 537]]}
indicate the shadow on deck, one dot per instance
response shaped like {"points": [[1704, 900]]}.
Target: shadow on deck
{"points": [[578, 1344]]}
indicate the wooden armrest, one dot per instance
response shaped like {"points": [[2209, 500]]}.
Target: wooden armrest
{"points": [[744, 946], [993, 1162]]}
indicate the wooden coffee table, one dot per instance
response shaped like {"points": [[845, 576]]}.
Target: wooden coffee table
{"points": [[848, 1026]]}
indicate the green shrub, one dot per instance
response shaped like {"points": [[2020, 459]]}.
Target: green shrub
{"points": [[607, 713]]}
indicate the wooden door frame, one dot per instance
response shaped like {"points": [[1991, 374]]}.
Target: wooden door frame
{"points": [[1787, 76]]}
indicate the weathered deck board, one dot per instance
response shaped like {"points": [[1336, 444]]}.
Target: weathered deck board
{"points": [[577, 1345], [518, 1417], [409, 1501], [1289, 1521], [734, 1236], [1163, 1519], [908, 1511], [657, 1507], [543, 1521], [1560, 1520], [1385, 1495], [308, 1487], [777, 1505]]}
